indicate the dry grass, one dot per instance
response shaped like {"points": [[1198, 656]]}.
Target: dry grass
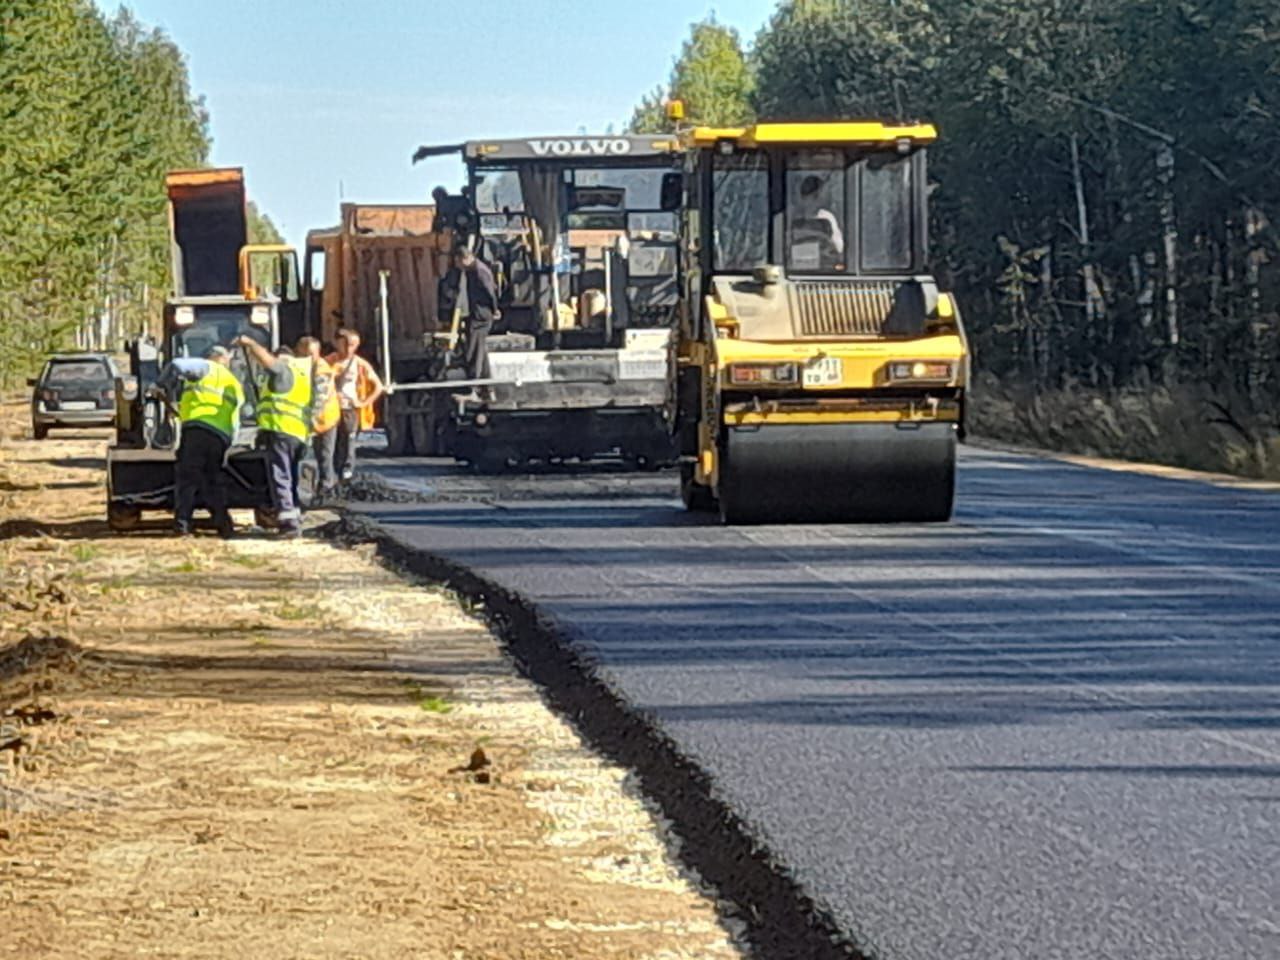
{"points": [[1180, 428]]}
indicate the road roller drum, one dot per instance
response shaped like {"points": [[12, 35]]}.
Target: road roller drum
{"points": [[838, 473]]}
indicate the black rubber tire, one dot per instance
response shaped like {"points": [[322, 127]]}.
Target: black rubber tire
{"points": [[399, 436], [121, 517], [697, 498], [39, 431], [421, 425]]}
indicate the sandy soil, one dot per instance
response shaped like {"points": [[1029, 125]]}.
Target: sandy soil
{"points": [[268, 748]]}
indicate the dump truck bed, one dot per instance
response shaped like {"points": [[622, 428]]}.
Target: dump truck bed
{"points": [[369, 240], [208, 226]]}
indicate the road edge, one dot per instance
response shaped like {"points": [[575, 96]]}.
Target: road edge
{"points": [[1228, 481], [783, 923]]}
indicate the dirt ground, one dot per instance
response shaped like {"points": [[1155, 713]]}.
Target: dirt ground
{"points": [[281, 748]]}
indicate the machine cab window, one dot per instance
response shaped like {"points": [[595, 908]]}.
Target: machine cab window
{"points": [[817, 212], [740, 215], [850, 213], [886, 221], [197, 328]]}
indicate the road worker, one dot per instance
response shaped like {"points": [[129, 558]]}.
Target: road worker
{"points": [[326, 415], [359, 388], [284, 426], [210, 413], [482, 311]]}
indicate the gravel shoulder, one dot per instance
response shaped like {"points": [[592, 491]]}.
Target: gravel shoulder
{"points": [[220, 749]]}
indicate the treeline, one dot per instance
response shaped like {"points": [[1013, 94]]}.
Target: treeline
{"points": [[93, 111], [1107, 204]]}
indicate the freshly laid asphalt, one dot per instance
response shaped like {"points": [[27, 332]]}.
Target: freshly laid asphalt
{"points": [[1048, 729]]}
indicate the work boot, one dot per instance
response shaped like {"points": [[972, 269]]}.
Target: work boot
{"points": [[182, 528], [291, 531]]}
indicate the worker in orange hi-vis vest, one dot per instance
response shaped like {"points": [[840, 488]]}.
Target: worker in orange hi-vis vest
{"points": [[326, 413], [358, 387]]}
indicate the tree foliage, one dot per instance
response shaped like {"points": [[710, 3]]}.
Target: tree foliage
{"points": [[93, 111], [260, 227], [711, 76]]}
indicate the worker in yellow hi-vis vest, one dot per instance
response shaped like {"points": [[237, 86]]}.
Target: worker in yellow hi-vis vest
{"points": [[209, 409], [284, 426], [326, 414]]}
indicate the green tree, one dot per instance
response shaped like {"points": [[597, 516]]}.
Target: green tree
{"points": [[869, 58], [261, 228], [711, 76], [93, 112]]}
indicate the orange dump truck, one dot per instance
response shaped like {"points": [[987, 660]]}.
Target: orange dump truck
{"points": [[346, 269]]}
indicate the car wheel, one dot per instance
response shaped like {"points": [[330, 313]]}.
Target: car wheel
{"points": [[39, 431]]}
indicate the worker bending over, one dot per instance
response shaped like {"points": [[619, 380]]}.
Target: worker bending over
{"points": [[210, 413], [284, 426]]}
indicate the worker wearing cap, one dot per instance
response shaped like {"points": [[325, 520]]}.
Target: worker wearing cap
{"points": [[210, 413], [284, 426]]}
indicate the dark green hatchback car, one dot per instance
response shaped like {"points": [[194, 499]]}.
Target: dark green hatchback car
{"points": [[74, 390]]}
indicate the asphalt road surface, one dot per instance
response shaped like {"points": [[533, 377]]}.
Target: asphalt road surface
{"points": [[1048, 729]]}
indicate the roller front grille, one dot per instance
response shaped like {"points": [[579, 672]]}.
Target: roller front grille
{"points": [[851, 308]]}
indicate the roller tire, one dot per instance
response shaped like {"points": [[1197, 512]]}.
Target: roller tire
{"points": [[490, 464], [399, 436], [697, 498], [121, 517]]}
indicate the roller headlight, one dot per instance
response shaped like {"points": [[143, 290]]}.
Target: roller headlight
{"points": [[921, 371], [757, 374]]}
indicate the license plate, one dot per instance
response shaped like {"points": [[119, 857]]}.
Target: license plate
{"points": [[823, 372], [78, 405]]}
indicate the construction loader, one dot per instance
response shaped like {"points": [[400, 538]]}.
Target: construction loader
{"points": [[582, 361], [223, 287], [822, 372]]}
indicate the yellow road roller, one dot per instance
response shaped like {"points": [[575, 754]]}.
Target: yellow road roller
{"points": [[821, 372]]}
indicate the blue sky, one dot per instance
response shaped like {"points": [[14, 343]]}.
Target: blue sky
{"points": [[313, 97]]}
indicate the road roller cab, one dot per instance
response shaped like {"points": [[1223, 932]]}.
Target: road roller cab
{"points": [[822, 372]]}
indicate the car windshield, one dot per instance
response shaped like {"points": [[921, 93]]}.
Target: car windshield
{"points": [[848, 212], [78, 371], [740, 214]]}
